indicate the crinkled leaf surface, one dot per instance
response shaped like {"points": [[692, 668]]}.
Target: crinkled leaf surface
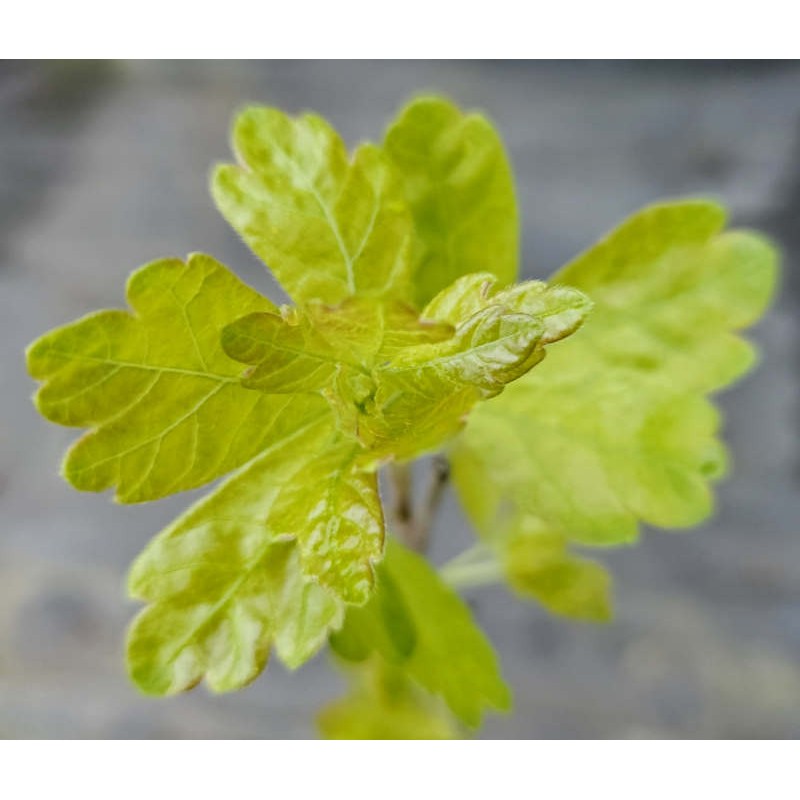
{"points": [[231, 576], [250, 596], [304, 349], [560, 310], [169, 412], [415, 621], [328, 228], [164, 402], [614, 427], [458, 182], [399, 383], [384, 704], [424, 393]]}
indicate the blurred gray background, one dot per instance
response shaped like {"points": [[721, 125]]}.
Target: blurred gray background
{"points": [[103, 167]]}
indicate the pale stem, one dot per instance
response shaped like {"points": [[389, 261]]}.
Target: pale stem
{"points": [[402, 510], [465, 575], [440, 475], [475, 566]]}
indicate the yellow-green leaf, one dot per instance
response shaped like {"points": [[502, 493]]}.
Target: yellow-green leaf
{"points": [[303, 349], [425, 392], [560, 310], [218, 617], [447, 654], [458, 182], [538, 564], [328, 228], [265, 558], [615, 428], [164, 403], [398, 383], [383, 703]]}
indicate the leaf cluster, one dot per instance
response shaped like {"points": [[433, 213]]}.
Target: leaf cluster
{"points": [[406, 335]]}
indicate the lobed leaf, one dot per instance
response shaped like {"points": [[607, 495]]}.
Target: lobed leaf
{"points": [[615, 427], [164, 403], [458, 183], [264, 557], [267, 557], [328, 228], [218, 617]]}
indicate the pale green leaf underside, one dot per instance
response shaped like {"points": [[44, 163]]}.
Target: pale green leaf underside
{"points": [[415, 622], [382, 703], [614, 426], [458, 182], [164, 402], [266, 558], [327, 228]]}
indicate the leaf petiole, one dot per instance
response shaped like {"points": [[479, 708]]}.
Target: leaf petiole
{"points": [[475, 566]]}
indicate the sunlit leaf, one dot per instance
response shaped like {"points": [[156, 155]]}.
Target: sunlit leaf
{"points": [[233, 574], [164, 403], [406, 327], [302, 350], [327, 227], [266, 557], [425, 393]]}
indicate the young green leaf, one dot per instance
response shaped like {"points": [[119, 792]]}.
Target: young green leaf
{"points": [[328, 228], [397, 383], [233, 574], [447, 653], [384, 704], [425, 393], [219, 602], [164, 402], [303, 349], [169, 413], [560, 310], [458, 182], [614, 427]]}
